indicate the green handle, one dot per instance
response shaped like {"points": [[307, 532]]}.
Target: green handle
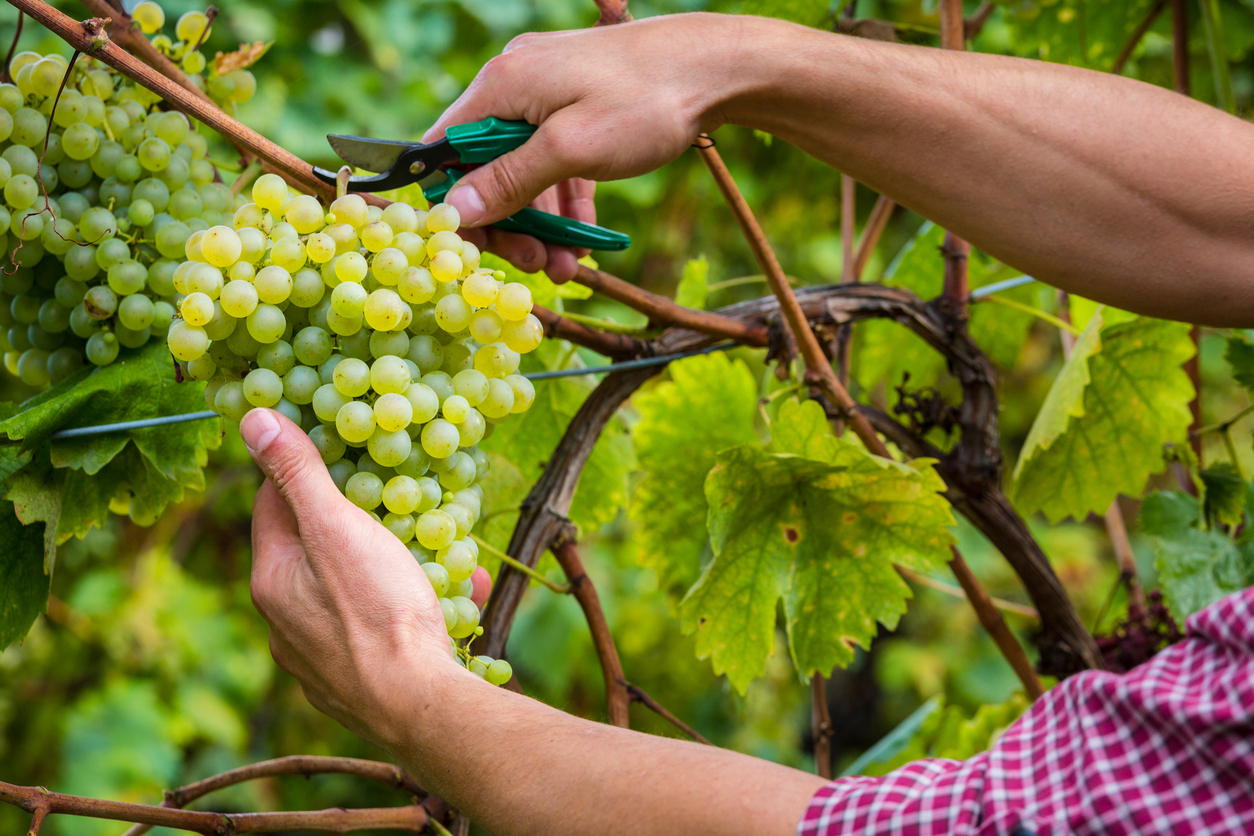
{"points": [[551, 228], [481, 142]]}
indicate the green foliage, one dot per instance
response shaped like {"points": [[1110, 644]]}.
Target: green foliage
{"points": [[947, 732], [23, 584], [1111, 410], [1240, 356], [707, 406], [693, 283], [818, 521], [808, 12], [1225, 493], [68, 484], [1196, 565]]}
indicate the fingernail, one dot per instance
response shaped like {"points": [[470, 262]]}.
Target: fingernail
{"points": [[467, 202], [259, 427]]}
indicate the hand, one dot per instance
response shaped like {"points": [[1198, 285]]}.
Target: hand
{"points": [[352, 616], [610, 102]]}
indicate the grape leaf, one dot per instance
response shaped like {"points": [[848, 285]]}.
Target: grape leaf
{"points": [[823, 534], [23, 584], [242, 58], [1098, 438], [36, 496], [1196, 566], [707, 406], [693, 283], [1225, 494], [1240, 356]]}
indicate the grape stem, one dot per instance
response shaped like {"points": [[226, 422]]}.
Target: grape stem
{"points": [[1060, 324], [563, 589], [5, 76]]}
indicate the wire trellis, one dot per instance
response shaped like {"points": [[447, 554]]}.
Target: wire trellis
{"points": [[626, 365]]}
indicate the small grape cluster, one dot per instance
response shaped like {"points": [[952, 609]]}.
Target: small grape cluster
{"points": [[228, 89], [378, 333], [100, 196]]}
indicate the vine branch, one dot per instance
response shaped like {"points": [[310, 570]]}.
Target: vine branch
{"points": [[41, 803]]}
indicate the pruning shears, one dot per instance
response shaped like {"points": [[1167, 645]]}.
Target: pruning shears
{"points": [[436, 166]]}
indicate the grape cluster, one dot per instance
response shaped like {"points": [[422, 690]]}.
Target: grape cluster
{"points": [[377, 332], [228, 89], [100, 196]]}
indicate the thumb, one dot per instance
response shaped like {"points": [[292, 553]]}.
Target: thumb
{"points": [[510, 182], [289, 460]]}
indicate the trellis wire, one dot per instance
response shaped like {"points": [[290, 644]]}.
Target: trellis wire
{"points": [[997, 287], [644, 362]]}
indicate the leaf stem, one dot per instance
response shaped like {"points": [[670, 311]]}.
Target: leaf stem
{"points": [[1232, 451], [1223, 426], [1036, 312], [957, 592], [562, 589], [608, 325]]}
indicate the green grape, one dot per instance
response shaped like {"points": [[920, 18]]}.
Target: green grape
{"points": [[81, 323], [376, 236], [389, 265], [523, 336], [154, 192], [389, 448], [204, 278], [472, 429], [340, 471], [305, 214], [426, 353], [185, 204], [416, 464], [266, 323], [289, 410], [307, 288], [98, 224], [239, 298], [230, 402], [467, 617], [171, 127], [443, 217], [393, 412], [162, 317], [202, 368], [320, 248], [127, 277], [350, 209], [80, 141], [102, 348], [329, 444], [365, 490], [401, 526], [299, 385], [222, 325], [385, 343], [435, 529], [472, 385], [355, 422], [129, 338], [524, 392], [21, 191], [460, 515], [389, 374], [513, 302], [64, 362], [288, 253], [327, 402], [141, 212], [221, 246], [460, 475], [401, 495], [242, 343], [69, 292], [438, 576], [40, 338], [135, 312], [326, 371], [349, 299], [29, 127], [480, 289], [440, 383], [187, 342], [270, 192], [445, 266], [352, 377], [263, 387], [499, 672], [439, 438], [342, 325], [245, 85], [277, 357], [273, 284], [416, 285], [32, 367], [153, 154], [458, 559], [21, 160], [312, 346], [99, 301]]}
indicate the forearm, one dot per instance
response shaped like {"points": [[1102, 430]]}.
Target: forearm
{"points": [[518, 766], [1114, 189]]}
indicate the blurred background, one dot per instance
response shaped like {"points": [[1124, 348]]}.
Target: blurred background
{"points": [[151, 668]]}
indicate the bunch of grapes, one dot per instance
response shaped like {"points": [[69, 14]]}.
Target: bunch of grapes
{"points": [[100, 196], [377, 332]]}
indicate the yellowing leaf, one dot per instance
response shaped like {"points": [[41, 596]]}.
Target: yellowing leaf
{"points": [[242, 58], [707, 406], [823, 534], [1104, 436]]}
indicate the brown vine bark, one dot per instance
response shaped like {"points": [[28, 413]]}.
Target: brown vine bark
{"points": [[615, 346], [133, 41], [335, 820], [1135, 38], [881, 212], [306, 765], [617, 698]]}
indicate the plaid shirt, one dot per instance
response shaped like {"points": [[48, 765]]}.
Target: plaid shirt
{"points": [[1167, 748]]}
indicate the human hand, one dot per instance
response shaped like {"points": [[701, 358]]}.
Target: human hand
{"points": [[351, 614], [610, 102]]}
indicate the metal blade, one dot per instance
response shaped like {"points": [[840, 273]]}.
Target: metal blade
{"points": [[370, 154]]}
